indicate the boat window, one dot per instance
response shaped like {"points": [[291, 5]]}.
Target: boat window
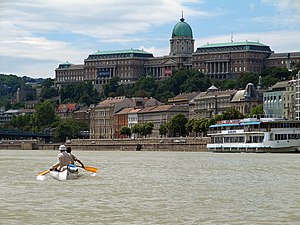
{"points": [[258, 139], [280, 137], [235, 139], [216, 140], [293, 136]]}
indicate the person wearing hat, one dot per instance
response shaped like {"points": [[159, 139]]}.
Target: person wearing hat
{"points": [[74, 158], [63, 159]]}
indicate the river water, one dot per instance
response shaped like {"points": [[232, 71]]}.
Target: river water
{"points": [[152, 188]]}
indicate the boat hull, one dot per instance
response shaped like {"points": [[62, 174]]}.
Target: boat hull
{"points": [[255, 149], [64, 175], [271, 146]]}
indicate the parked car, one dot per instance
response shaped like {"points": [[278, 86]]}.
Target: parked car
{"points": [[180, 141]]}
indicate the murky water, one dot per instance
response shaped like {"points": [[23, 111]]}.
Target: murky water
{"points": [[152, 188]]}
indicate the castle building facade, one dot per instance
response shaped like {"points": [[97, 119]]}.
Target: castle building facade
{"points": [[229, 60], [218, 61]]}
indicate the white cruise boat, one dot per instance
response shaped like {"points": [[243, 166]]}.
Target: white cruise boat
{"points": [[255, 135]]}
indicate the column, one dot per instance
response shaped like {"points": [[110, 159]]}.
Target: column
{"points": [[221, 69], [215, 67]]}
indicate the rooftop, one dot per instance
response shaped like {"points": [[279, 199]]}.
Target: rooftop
{"points": [[232, 44], [284, 55], [125, 111], [111, 101], [120, 52]]}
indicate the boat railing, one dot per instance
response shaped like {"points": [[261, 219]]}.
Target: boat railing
{"points": [[239, 131]]}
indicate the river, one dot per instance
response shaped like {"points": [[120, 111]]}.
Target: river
{"points": [[152, 188]]}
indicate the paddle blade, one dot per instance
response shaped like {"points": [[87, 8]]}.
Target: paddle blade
{"points": [[40, 178], [91, 169], [43, 172]]}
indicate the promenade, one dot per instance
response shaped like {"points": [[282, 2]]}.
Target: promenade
{"points": [[140, 144]]}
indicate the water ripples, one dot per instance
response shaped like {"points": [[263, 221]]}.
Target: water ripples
{"points": [[152, 188]]}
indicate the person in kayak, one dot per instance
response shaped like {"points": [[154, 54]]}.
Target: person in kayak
{"points": [[63, 160], [73, 157]]}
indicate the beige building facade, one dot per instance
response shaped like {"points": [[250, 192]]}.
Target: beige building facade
{"points": [[102, 117], [159, 115], [245, 100], [210, 103]]}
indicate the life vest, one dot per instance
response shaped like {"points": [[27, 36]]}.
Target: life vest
{"points": [[72, 168]]}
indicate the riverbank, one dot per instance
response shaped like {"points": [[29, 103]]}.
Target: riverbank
{"points": [[140, 144]]}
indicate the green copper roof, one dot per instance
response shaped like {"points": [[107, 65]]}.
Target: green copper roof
{"points": [[182, 29], [121, 52], [66, 63], [231, 44]]}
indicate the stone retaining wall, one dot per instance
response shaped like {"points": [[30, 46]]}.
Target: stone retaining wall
{"points": [[194, 145]]}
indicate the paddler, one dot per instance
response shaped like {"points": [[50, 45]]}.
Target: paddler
{"points": [[63, 159], [74, 158]]}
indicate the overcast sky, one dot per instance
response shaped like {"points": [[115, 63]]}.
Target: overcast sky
{"points": [[37, 35]]}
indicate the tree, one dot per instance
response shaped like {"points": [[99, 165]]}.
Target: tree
{"points": [[142, 129], [195, 81], [48, 83], [246, 78], [147, 128], [136, 129], [85, 99], [83, 92], [44, 116], [258, 110], [110, 88], [19, 105], [176, 125], [232, 113], [69, 128], [296, 69], [125, 131], [203, 125], [48, 92], [278, 72], [48, 89], [145, 86], [272, 75], [163, 130], [189, 125], [197, 126], [21, 122]]}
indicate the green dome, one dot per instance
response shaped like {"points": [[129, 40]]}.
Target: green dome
{"points": [[182, 29]]}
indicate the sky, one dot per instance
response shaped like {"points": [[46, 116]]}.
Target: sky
{"points": [[38, 35]]}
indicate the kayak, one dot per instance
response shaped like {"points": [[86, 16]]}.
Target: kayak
{"points": [[72, 172], [67, 174], [64, 175]]}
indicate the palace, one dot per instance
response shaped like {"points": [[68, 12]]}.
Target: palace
{"points": [[218, 61]]}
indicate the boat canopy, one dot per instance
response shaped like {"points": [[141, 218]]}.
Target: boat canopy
{"points": [[235, 124], [224, 125], [250, 123]]}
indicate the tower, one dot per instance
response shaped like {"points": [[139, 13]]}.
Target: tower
{"points": [[182, 42]]}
